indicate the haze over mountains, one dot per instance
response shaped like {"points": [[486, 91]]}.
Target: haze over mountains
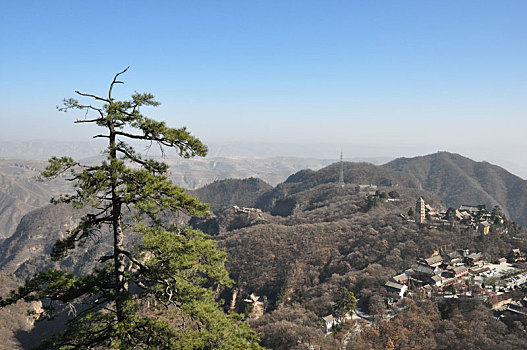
{"points": [[313, 236], [459, 180], [455, 179], [38, 229], [21, 193], [328, 152], [44, 149]]}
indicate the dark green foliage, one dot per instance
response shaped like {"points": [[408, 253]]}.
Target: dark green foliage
{"points": [[393, 194], [374, 200], [284, 206], [151, 289], [209, 225], [497, 216], [451, 214], [345, 301]]}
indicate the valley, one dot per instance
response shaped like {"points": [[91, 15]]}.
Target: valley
{"points": [[298, 244]]}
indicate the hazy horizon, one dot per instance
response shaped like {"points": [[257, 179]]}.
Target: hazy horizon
{"points": [[43, 149], [370, 79]]}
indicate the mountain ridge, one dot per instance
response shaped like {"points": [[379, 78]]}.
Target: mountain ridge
{"points": [[323, 236], [459, 180]]}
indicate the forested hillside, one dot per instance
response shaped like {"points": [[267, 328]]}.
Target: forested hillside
{"points": [[459, 180], [281, 201], [229, 192], [314, 238], [324, 236]]}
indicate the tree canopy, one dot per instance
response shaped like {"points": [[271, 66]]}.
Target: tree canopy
{"points": [[154, 289]]}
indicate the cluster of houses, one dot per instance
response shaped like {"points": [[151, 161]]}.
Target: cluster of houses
{"points": [[475, 217], [434, 272], [452, 273], [249, 211], [512, 308], [368, 190], [331, 321], [518, 256], [449, 276]]}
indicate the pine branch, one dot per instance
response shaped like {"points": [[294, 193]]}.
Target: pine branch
{"points": [[115, 81], [93, 96]]}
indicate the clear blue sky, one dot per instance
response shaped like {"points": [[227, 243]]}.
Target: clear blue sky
{"points": [[439, 75]]}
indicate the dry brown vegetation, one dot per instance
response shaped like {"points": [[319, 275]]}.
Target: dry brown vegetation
{"points": [[324, 237]]}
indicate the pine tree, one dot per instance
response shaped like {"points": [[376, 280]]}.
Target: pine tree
{"points": [[345, 302], [154, 292]]}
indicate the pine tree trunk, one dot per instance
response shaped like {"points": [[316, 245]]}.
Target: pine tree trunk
{"points": [[118, 235]]}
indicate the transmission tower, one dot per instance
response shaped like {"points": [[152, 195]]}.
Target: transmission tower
{"points": [[341, 173]]}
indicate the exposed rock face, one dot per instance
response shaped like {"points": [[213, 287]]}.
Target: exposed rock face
{"points": [[27, 251], [21, 193], [36, 234]]}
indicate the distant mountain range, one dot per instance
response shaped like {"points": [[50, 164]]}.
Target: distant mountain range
{"points": [[453, 178], [38, 229], [198, 172], [459, 180], [314, 234], [43, 149], [21, 193]]}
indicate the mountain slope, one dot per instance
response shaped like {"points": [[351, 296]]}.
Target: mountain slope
{"points": [[459, 180], [21, 193], [18, 196], [35, 235], [27, 250], [297, 262], [229, 192], [354, 173]]}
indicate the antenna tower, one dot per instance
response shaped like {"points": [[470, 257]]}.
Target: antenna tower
{"points": [[341, 173]]}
